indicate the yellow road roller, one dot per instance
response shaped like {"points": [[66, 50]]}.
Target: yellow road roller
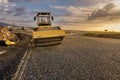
{"points": [[44, 34]]}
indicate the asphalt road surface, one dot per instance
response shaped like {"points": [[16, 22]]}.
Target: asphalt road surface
{"points": [[10, 57], [77, 58]]}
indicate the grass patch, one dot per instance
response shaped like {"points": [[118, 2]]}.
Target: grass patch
{"points": [[113, 35]]}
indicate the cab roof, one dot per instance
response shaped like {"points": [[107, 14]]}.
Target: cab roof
{"points": [[43, 13]]}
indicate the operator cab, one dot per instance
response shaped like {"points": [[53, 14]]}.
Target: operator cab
{"points": [[43, 19]]}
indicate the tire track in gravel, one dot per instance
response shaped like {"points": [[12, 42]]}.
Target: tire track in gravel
{"points": [[22, 65]]}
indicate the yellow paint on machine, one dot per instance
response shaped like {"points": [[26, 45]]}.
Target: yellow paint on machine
{"points": [[8, 42], [44, 27], [47, 34]]}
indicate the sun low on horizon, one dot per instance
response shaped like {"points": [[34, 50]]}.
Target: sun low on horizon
{"points": [[92, 15]]}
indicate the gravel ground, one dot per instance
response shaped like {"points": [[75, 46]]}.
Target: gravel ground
{"points": [[77, 58], [11, 58]]}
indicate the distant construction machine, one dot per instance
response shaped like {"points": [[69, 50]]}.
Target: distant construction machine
{"points": [[45, 34]]}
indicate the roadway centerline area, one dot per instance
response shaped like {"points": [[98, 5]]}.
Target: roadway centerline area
{"points": [[22, 66], [10, 57], [2, 52], [77, 58]]}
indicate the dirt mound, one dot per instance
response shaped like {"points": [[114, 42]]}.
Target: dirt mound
{"points": [[5, 34]]}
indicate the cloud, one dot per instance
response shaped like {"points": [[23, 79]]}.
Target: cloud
{"points": [[81, 11], [71, 13], [20, 0], [80, 17], [11, 12], [32, 0], [19, 11], [74, 15], [7, 1], [39, 0], [4, 1], [6, 7], [15, 0], [107, 11], [90, 2], [84, 3]]}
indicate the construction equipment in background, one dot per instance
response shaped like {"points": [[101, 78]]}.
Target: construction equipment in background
{"points": [[45, 34], [7, 38]]}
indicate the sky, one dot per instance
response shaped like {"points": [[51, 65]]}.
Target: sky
{"points": [[95, 15]]}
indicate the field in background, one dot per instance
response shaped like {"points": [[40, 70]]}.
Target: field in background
{"points": [[114, 35]]}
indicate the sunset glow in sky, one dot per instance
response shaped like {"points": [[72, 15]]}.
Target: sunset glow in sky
{"points": [[69, 14]]}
